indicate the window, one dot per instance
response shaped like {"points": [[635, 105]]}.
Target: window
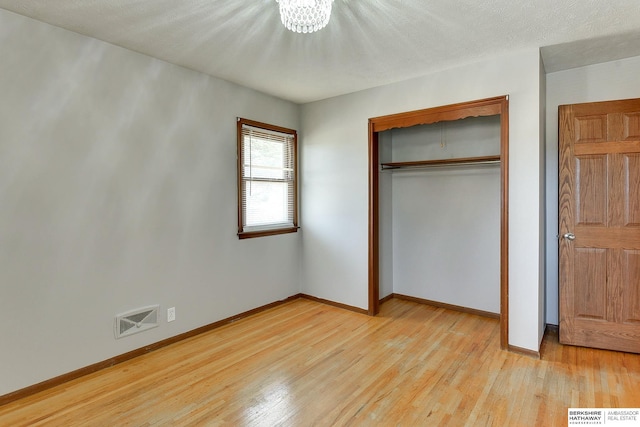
{"points": [[267, 179]]}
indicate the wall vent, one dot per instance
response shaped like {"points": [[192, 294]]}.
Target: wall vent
{"points": [[135, 321]]}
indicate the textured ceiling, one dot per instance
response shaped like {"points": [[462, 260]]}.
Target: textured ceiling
{"points": [[367, 42]]}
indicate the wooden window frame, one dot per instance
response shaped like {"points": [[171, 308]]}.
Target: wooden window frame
{"points": [[242, 233]]}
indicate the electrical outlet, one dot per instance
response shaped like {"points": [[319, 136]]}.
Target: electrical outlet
{"points": [[171, 314]]}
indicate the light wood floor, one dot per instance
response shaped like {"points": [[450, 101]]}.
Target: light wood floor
{"points": [[305, 363]]}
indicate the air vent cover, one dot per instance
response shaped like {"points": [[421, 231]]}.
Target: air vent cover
{"points": [[135, 321]]}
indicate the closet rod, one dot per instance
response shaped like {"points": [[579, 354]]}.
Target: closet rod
{"points": [[462, 161]]}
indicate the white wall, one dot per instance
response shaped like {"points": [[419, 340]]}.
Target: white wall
{"points": [[118, 190], [542, 325], [385, 212], [335, 180], [600, 82]]}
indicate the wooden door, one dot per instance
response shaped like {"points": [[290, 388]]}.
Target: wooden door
{"points": [[599, 225]]}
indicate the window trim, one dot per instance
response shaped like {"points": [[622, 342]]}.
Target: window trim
{"points": [[275, 230]]}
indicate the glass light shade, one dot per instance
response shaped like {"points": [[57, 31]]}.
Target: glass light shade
{"points": [[305, 16]]}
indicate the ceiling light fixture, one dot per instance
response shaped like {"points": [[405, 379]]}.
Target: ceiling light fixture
{"points": [[305, 16]]}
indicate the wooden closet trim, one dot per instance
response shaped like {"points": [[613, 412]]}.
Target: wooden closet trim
{"points": [[498, 106]]}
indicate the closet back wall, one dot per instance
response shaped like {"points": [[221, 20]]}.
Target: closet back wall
{"points": [[443, 224]]}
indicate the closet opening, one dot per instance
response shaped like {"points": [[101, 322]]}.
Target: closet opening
{"points": [[456, 156]]}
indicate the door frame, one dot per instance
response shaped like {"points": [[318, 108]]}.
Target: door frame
{"points": [[498, 106]]}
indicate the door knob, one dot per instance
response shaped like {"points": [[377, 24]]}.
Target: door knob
{"points": [[569, 236]]}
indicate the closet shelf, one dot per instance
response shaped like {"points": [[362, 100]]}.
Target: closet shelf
{"points": [[460, 161]]}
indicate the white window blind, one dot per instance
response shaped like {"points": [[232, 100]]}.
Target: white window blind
{"points": [[267, 162]]}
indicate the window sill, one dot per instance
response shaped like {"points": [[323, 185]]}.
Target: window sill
{"points": [[268, 232]]}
